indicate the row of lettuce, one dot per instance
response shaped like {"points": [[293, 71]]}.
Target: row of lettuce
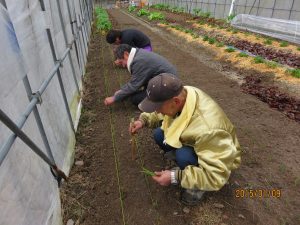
{"points": [[102, 19]]}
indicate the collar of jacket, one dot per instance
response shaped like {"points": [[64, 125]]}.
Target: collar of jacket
{"points": [[130, 58], [174, 128]]}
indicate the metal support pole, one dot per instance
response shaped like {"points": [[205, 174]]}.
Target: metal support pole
{"points": [[291, 9], [231, 7], [82, 22], [66, 43], [252, 7], [60, 80], [258, 7], [14, 128], [38, 118], [85, 19], [34, 100], [79, 59], [85, 26], [58, 71], [81, 41]]}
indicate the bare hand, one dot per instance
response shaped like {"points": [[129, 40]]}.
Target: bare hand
{"points": [[118, 62], [135, 126], [109, 100], [163, 178]]}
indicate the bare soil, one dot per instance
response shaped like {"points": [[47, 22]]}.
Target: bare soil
{"points": [[109, 187]]}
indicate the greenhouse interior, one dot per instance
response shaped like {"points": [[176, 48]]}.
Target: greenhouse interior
{"points": [[150, 112]]}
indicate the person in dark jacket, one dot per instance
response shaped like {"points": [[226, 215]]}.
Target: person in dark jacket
{"points": [[132, 37], [142, 65]]}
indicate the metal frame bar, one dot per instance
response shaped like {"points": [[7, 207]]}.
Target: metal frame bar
{"points": [[61, 19], [35, 98]]}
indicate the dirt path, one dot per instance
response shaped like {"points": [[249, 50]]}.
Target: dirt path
{"points": [[109, 188]]}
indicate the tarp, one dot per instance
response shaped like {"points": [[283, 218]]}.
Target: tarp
{"points": [[29, 194], [282, 29]]}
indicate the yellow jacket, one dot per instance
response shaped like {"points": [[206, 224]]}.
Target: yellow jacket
{"points": [[203, 125]]}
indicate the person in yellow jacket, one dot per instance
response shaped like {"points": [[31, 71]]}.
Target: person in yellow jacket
{"points": [[195, 130]]}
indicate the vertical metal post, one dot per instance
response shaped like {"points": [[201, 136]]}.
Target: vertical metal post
{"points": [[58, 72], [82, 22], [252, 7], [79, 59], [273, 9], [215, 5], [231, 7], [86, 19], [246, 4], [88, 12], [291, 9], [66, 43], [81, 40], [258, 7], [38, 119]]}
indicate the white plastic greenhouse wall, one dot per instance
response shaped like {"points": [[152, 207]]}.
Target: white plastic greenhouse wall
{"points": [[29, 193], [279, 9]]}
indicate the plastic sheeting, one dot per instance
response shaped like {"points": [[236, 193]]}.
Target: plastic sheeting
{"points": [[282, 29], [29, 194]]}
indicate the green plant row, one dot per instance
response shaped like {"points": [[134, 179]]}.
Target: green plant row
{"points": [[143, 12], [256, 59], [156, 16], [102, 20]]}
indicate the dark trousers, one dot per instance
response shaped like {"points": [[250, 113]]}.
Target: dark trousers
{"points": [[137, 97], [184, 156]]}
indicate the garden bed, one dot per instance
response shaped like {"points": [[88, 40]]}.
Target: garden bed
{"points": [[107, 187]]}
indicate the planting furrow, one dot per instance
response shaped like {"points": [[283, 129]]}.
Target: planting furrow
{"points": [[140, 156], [113, 137], [164, 199]]}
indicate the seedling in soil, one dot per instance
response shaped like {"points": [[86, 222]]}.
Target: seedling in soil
{"points": [[133, 143], [230, 49], [211, 41], [188, 31], [201, 22], [234, 31], [195, 35], [229, 18], [294, 72], [268, 41], [284, 44], [258, 59], [205, 38], [220, 44], [271, 64], [148, 172], [242, 54]]}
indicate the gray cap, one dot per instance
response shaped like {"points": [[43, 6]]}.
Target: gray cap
{"points": [[160, 89]]}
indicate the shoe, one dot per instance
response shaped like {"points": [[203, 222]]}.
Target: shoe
{"points": [[191, 197]]}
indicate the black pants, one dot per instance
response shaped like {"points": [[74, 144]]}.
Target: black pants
{"points": [[137, 97]]}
